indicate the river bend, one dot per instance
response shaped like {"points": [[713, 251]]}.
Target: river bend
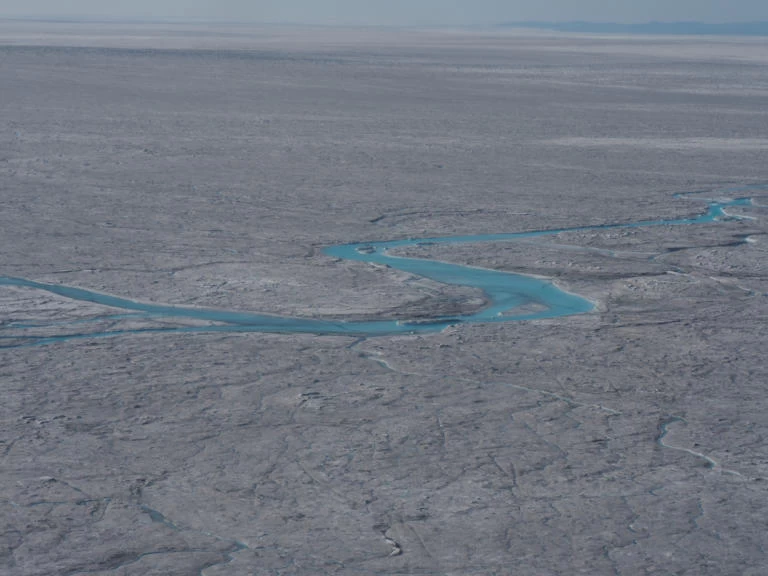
{"points": [[505, 292]]}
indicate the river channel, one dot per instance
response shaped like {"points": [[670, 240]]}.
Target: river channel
{"points": [[505, 292]]}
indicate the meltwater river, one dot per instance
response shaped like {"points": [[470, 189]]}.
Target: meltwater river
{"points": [[505, 292]]}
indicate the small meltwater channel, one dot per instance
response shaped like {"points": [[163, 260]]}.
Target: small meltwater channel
{"points": [[505, 292]]}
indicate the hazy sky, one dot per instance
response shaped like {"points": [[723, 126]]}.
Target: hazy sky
{"points": [[396, 11]]}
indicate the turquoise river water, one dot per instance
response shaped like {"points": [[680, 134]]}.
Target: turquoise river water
{"points": [[505, 292]]}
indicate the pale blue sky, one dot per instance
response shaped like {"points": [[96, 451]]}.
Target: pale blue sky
{"points": [[431, 12]]}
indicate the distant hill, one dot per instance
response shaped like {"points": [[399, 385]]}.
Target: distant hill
{"points": [[672, 28]]}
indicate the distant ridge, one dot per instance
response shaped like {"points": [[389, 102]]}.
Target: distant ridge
{"points": [[671, 28]]}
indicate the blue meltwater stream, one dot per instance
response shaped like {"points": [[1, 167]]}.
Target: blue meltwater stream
{"points": [[505, 292]]}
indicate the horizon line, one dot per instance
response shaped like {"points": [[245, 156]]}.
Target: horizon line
{"points": [[103, 19]]}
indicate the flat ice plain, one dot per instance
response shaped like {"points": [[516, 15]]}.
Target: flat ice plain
{"points": [[210, 167]]}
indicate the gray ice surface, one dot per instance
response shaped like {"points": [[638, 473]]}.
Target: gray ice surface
{"points": [[209, 167]]}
